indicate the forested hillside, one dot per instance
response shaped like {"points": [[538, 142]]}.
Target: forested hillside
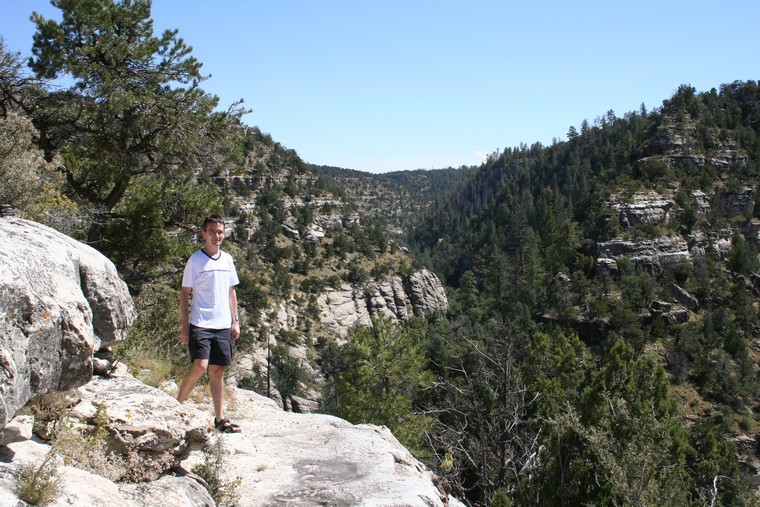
{"points": [[395, 199], [599, 344], [603, 345]]}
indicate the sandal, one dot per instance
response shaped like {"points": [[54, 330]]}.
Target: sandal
{"points": [[225, 426]]}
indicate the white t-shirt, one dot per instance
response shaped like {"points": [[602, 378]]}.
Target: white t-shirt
{"points": [[210, 280]]}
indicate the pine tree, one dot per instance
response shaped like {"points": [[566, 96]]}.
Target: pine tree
{"points": [[385, 372], [133, 125]]}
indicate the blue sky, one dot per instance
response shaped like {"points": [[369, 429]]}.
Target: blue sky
{"points": [[397, 85]]}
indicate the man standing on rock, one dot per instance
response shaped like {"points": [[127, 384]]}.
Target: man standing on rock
{"points": [[212, 323]]}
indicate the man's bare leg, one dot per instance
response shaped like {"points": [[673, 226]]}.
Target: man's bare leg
{"points": [[216, 383], [193, 375]]}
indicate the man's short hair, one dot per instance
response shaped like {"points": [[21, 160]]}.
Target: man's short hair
{"points": [[213, 219]]}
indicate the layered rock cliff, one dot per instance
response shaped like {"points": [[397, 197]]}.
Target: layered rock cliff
{"points": [[663, 252], [398, 298]]}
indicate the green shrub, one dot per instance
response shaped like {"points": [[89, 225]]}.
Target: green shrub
{"points": [[153, 343], [211, 470]]}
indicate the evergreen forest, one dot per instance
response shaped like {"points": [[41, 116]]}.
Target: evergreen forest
{"points": [[602, 339]]}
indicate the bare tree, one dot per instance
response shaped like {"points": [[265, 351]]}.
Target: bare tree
{"points": [[483, 437]]}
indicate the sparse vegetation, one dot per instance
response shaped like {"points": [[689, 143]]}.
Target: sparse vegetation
{"points": [[41, 484], [213, 471]]}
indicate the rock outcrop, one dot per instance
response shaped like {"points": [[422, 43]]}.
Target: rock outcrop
{"points": [[153, 429], [643, 207], [718, 243], [312, 459], [82, 487], [738, 203], [650, 253], [60, 301], [426, 293], [679, 141], [399, 298], [281, 458]]}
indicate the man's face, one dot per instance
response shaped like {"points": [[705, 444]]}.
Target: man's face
{"points": [[214, 234]]}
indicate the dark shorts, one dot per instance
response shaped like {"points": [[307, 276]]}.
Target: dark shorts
{"points": [[212, 344]]}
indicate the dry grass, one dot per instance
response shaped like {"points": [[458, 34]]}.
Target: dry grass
{"points": [[39, 485]]}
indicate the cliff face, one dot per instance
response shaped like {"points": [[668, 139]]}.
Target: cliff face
{"points": [[61, 301], [644, 207], [655, 253], [677, 139], [398, 298], [663, 252]]}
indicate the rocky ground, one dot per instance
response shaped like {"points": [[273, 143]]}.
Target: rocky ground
{"points": [[281, 458]]}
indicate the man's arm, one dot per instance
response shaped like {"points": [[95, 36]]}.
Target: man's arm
{"points": [[235, 329], [184, 319]]}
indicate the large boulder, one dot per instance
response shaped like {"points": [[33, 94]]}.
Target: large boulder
{"points": [[60, 301]]}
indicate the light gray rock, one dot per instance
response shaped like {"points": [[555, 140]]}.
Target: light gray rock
{"points": [[420, 294], [683, 296], [606, 265], [679, 141], [702, 201], [100, 366], [80, 487], [678, 314], [12, 457], [718, 243], [389, 298], [17, 430], [168, 491], [426, 293], [282, 458], [352, 219], [651, 253], [60, 300], [312, 459], [143, 421], [401, 300], [290, 230], [343, 308], [314, 234], [660, 307], [644, 207], [331, 222]]}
